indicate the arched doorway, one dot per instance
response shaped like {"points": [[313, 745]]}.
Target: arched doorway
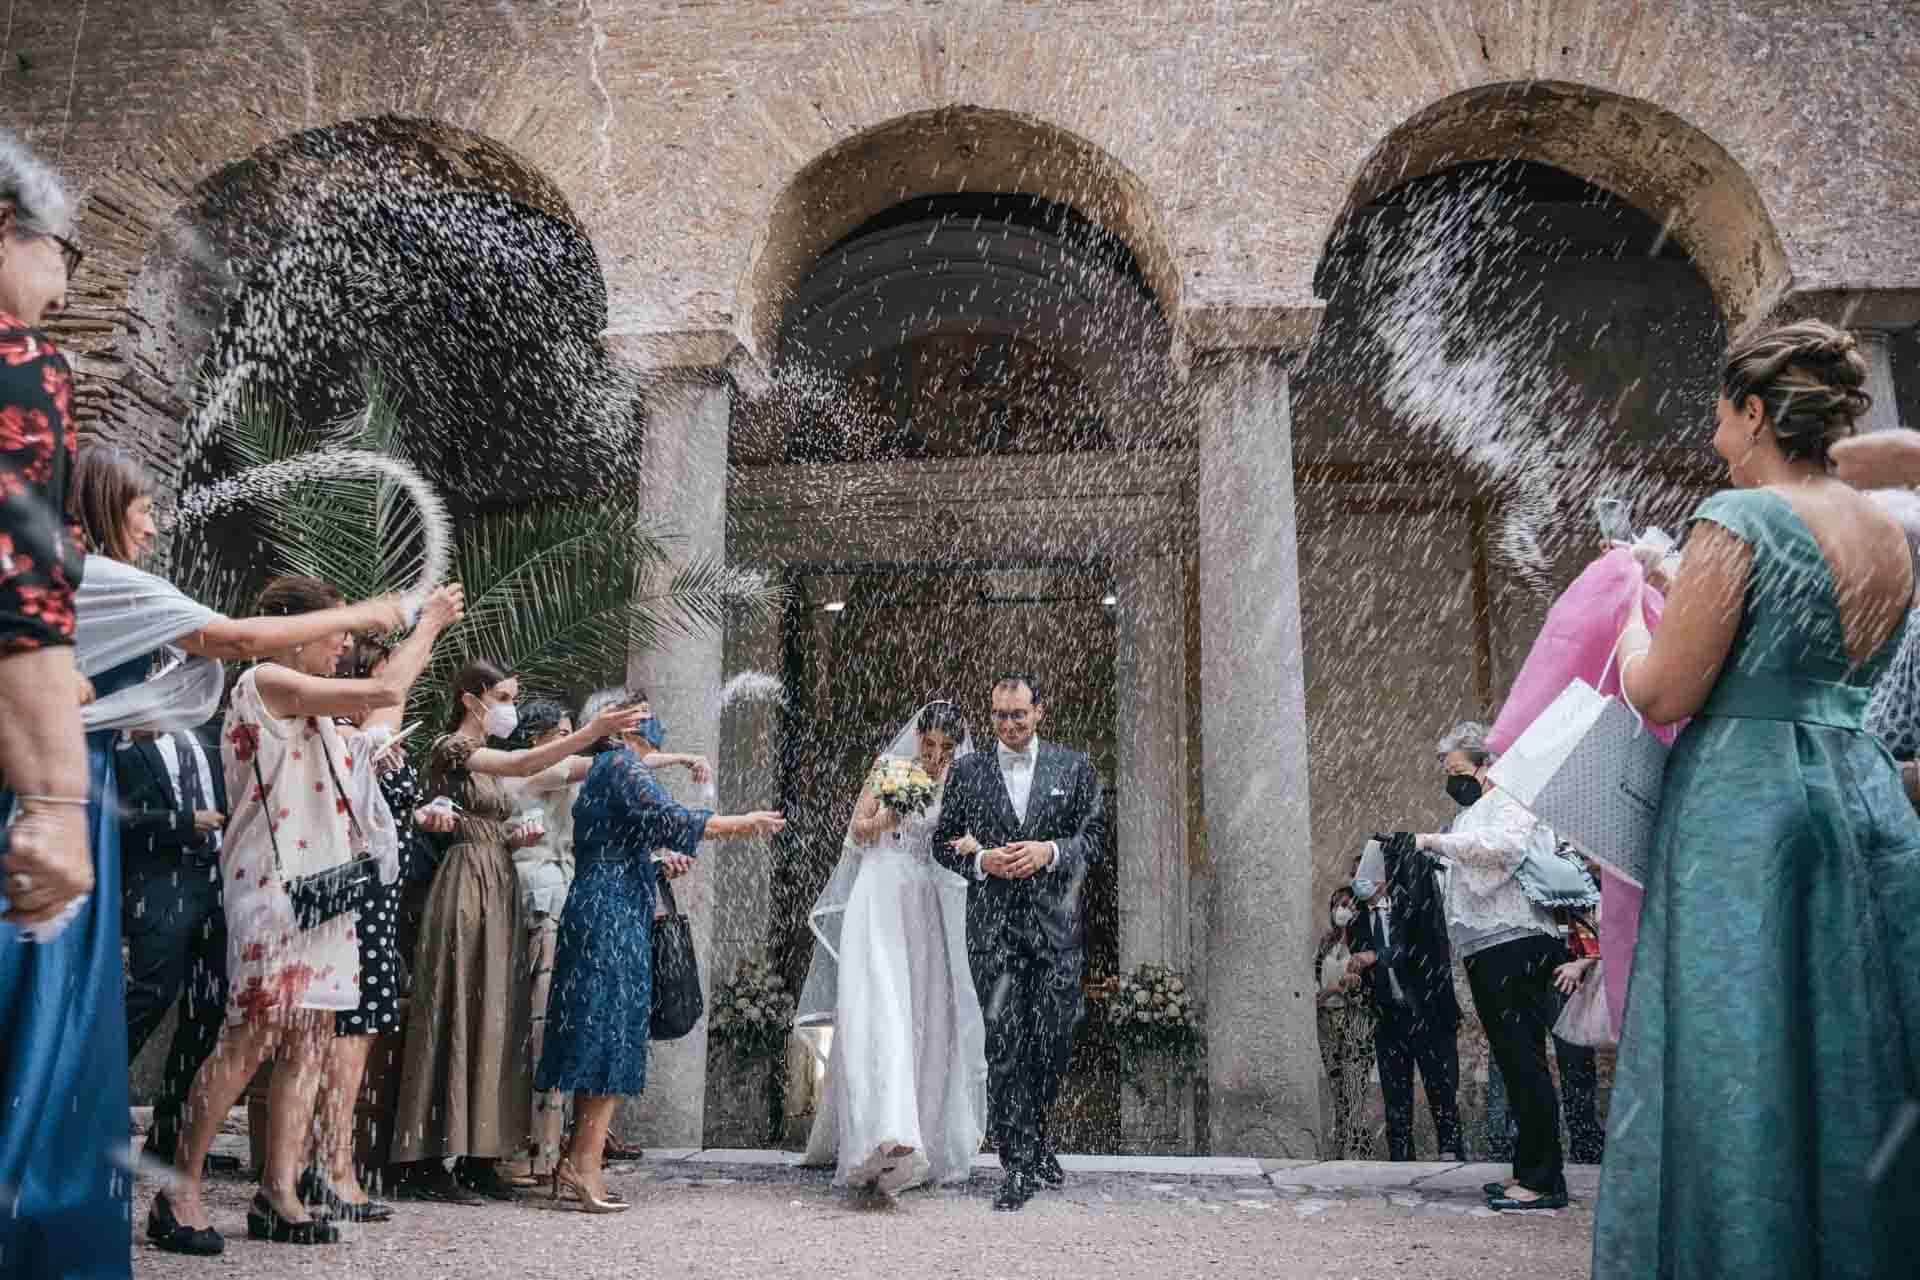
{"points": [[1503, 342], [414, 248], [948, 465]]}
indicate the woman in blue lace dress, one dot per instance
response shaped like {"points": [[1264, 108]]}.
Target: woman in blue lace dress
{"points": [[601, 999]]}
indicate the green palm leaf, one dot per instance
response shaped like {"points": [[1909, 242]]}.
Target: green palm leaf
{"points": [[561, 594]]}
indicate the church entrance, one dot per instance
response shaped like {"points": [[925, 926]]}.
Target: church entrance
{"points": [[864, 646]]}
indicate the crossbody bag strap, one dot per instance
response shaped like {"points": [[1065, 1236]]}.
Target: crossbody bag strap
{"points": [[266, 812], [353, 823]]}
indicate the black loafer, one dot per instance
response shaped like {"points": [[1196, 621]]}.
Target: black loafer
{"points": [[1507, 1204], [1014, 1193], [1048, 1171], [169, 1233], [316, 1192], [439, 1187], [265, 1223], [487, 1182], [1494, 1188]]}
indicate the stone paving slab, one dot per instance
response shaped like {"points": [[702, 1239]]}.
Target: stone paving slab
{"points": [[671, 1153], [1365, 1174], [740, 1155]]}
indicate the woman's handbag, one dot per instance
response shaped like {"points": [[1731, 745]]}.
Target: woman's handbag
{"points": [[323, 895], [677, 1002], [1585, 1020]]}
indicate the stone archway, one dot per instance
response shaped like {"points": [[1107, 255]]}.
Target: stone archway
{"points": [[394, 216], [939, 152], [1642, 153]]}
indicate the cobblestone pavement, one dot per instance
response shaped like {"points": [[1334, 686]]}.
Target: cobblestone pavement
{"points": [[697, 1219]]}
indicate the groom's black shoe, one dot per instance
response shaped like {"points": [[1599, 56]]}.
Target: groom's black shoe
{"points": [[1047, 1170], [1015, 1191]]}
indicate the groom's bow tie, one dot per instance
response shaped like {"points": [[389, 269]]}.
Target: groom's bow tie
{"points": [[1011, 759]]}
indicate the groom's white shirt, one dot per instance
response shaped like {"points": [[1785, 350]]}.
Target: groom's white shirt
{"points": [[1016, 768]]}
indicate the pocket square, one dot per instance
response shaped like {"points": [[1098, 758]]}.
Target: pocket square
{"points": [[1056, 792]]}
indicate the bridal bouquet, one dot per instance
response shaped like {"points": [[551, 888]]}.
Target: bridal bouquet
{"points": [[1151, 1012], [754, 1011], [902, 785]]}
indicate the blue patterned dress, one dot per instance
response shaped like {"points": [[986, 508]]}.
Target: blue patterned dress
{"points": [[601, 999], [1772, 1031]]}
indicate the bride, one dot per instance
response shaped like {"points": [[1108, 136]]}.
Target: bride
{"points": [[905, 1099]]}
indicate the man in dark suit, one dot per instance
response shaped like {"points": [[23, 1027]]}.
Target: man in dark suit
{"points": [[1022, 823], [173, 803], [1401, 951]]}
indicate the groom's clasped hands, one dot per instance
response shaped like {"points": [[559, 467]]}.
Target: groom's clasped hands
{"points": [[1015, 861]]}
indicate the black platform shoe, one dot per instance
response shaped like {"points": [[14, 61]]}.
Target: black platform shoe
{"points": [[265, 1223], [1015, 1191], [175, 1236], [316, 1192]]}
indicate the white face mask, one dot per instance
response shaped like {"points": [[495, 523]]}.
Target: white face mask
{"points": [[501, 720], [1342, 916]]}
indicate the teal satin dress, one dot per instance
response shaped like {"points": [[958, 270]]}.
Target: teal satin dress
{"points": [[1772, 1033]]}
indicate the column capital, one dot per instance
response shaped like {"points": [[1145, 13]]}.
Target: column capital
{"points": [[1214, 334]]}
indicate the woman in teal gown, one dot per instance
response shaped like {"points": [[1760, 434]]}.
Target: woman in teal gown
{"points": [[1772, 1034]]}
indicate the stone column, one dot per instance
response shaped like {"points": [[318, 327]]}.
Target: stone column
{"points": [[1156, 1114], [684, 491], [1263, 1061], [1877, 346], [748, 773], [1151, 788]]}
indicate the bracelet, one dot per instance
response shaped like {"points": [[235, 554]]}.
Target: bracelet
{"points": [[81, 800]]}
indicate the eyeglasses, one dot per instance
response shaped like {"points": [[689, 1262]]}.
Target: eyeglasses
{"points": [[70, 252], [1011, 717]]}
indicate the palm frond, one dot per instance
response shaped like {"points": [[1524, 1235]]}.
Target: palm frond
{"points": [[561, 594]]}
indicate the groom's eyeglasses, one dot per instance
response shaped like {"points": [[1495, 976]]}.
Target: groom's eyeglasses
{"points": [[1010, 717]]}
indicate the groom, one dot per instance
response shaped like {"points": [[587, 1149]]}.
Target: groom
{"points": [[1022, 823]]}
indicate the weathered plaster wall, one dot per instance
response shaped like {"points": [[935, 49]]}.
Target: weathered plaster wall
{"points": [[676, 130]]}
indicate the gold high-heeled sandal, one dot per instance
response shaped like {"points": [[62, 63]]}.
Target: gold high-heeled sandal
{"points": [[564, 1174]]}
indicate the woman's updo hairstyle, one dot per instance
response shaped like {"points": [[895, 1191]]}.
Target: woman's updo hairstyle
{"points": [[945, 718], [537, 716], [1809, 377], [297, 594]]}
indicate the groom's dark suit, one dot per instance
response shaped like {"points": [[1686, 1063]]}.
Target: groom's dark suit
{"points": [[1024, 936]]}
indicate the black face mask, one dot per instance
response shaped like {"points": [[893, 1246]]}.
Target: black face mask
{"points": [[1463, 788]]}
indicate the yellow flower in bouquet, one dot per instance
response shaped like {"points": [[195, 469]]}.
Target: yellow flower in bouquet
{"points": [[902, 785]]}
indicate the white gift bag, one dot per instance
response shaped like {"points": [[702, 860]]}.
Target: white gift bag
{"points": [[1584, 1021], [1589, 768]]}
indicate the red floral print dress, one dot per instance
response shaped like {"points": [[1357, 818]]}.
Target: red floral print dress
{"points": [[40, 549], [273, 965]]}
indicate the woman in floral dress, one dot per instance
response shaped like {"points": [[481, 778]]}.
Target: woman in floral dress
{"points": [[286, 766]]}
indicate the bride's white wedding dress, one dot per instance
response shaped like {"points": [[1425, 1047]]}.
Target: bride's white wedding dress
{"points": [[907, 1067]]}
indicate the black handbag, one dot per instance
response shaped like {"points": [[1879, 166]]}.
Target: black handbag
{"points": [[677, 1002], [321, 896]]}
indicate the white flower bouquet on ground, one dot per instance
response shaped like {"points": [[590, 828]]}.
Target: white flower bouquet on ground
{"points": [[1150, 1013], [753, 1012]]}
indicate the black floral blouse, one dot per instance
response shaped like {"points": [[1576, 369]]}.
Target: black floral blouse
{"points": [[41, 552]]}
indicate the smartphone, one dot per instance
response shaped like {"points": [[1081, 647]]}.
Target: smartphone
{"points": [[401, 736], [1616, 519]]}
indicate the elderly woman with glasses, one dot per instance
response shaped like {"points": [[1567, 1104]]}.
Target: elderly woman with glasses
{"points": [[63, 1198]]}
